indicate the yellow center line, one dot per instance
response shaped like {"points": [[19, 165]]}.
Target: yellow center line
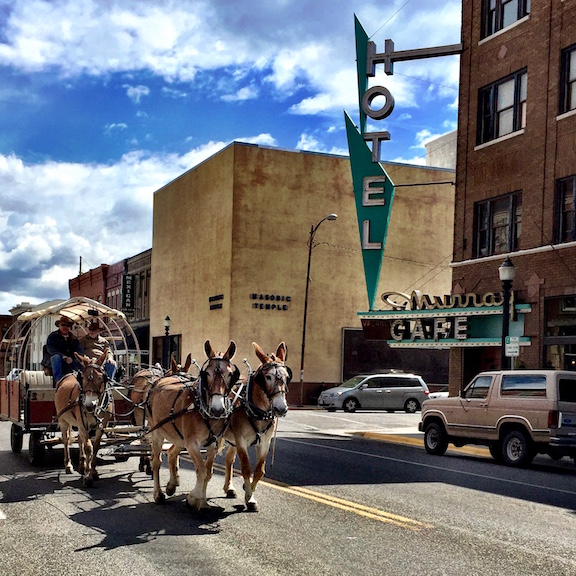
{"points": [[346, 505], [419, 442]]}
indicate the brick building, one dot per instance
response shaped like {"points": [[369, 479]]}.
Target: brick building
{"points": [[124, 285], [516, 175]]}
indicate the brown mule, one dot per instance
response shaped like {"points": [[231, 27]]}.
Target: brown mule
{"points": [[191, 414], [142, 382], [88, 407], [255, 420]]}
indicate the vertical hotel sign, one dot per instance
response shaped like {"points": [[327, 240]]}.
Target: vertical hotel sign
{"points": [[373, 188]]}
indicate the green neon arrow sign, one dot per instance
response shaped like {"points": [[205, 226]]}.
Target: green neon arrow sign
{"points": [[373, 192]]}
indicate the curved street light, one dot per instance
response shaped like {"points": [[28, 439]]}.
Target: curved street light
{"points": [[313, 230]]}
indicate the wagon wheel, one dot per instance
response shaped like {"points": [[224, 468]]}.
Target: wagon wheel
{"points": [[16, 438], [36, 450]]}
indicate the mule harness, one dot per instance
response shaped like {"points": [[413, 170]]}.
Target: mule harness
{"points": [[253, 412], [197, 405], [104, 398]]}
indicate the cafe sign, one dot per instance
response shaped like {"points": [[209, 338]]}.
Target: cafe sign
{"points": [[454, 320]]}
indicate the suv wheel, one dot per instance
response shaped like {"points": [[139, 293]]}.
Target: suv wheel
{"points": [[411, 405], [516, 449], [350, 405], [435, 439]]}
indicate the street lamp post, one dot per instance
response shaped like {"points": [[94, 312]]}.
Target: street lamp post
{"points": [[166, 343], [313, 230], [506, 272]]}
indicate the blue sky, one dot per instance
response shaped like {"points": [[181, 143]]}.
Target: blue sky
{"points": [[102, 102]]}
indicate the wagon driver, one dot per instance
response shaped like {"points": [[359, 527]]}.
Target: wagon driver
{"points": [[61, 345], [94, 345]]}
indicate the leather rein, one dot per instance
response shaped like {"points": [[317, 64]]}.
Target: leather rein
{"points": [[104, 395]]}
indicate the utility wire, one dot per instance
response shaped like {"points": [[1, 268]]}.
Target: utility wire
{"points": [[391, 17]]}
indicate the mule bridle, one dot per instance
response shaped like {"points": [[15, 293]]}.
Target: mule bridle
{"points": [[279, 387], [205, 395], [202, 396], [86, 384]]}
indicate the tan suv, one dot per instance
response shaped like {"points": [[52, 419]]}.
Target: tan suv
{"points": [[516, 413]]}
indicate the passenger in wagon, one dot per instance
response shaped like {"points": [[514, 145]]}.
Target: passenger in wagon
{"points": [[94, 345], [61, 345]]}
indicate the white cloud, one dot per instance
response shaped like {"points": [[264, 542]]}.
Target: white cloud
{"points": [[263, 139], [177, 39], [109, 128], [173, 93], [311, 143], [53, 213], [246, 93], [135, 93]]}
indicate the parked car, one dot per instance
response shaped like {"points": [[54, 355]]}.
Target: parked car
{"points": [[390, 391], [516, 413], [442, 393]]}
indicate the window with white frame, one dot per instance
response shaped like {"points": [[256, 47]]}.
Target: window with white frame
{"points": [[502, 107], [499, 14], [568, 80]]}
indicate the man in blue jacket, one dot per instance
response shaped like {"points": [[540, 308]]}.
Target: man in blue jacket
{"points": [[61, 345]]}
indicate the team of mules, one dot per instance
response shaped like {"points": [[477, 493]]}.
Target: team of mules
{"points": [[205, 414]]}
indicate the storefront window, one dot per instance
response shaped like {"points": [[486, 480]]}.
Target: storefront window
{"points": [[560, 338]]}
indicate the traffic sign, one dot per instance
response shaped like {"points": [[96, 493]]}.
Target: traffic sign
{"points": [[512, 346]]}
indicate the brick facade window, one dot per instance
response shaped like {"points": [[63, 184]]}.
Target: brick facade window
{"points": [[497, 225], [568, 80], [502, 107], [565, 221], [498, 14]]}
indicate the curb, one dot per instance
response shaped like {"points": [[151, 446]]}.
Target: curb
{"points": [[419, 443]]}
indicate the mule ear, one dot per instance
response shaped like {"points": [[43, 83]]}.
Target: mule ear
{"points": [[262, 356], [282, 352], [188, 363], [174, 363], [84, 359], [231, 350], [208, 349], [103, 357]]}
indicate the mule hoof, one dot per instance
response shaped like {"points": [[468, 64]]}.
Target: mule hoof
{"points": [[170, 490], [160, 499], [149, 470], [252, 507], [203, 509], [69, 470], [87, 481], [141, 467], [231, 493]]}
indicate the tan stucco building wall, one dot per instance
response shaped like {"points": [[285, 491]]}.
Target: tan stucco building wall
{"points": [[237, 225]]}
